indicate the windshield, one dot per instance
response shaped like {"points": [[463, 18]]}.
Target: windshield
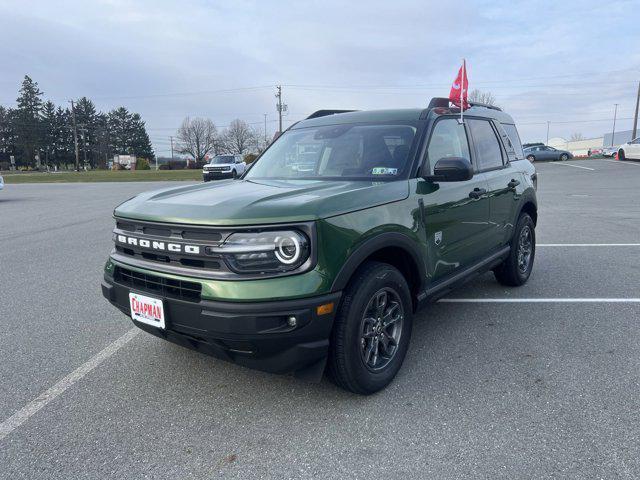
{"points": [[359, 151], [221, 159]]}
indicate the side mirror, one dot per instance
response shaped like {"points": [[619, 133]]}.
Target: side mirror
{"points": [[451, 169]]}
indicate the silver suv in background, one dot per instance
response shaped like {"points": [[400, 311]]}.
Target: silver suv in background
{"points": [[224, 166]]}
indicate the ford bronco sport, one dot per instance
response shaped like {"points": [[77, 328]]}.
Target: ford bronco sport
{"points": [[292, 269]]}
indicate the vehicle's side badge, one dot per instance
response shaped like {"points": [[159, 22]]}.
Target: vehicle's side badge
{"points": [[438, 238]]}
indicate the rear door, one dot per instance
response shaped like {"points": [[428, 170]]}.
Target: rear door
{"points": [[493, 150], [456, 213]]}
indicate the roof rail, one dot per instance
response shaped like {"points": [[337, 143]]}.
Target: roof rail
{"points": [[485, 105], [324, 113]]}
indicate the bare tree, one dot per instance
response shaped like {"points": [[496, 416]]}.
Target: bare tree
{"points": [[576, 137], [239, 137], [197, 137], [482, 97]]}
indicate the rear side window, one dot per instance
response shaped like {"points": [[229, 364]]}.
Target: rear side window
{"points": [[447, 140], [512, 132], [488, 150]]}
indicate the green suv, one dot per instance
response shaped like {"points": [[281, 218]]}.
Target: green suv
{"points": [[319, 256]]}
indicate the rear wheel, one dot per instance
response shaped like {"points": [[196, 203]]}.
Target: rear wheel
{"points": [[516, 268], [372, 329], [531, 158], [564, 157]]}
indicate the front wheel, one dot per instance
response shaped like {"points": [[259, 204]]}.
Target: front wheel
{"points": [[516, 268], [372, 329], [564, 157], [234, 175], [531, 158], [621, 154]]}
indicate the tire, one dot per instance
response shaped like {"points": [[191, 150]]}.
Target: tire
{"points": [[621, 155], [564, 157], [234, 175], [513, 272], [531, 158], [358, 359]]}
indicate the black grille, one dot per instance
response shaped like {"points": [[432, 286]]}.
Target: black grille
{"points": [[153, 284]]}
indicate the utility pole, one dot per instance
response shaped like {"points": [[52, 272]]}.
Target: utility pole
{"points": [[75, 135], [171, 138], [615, 113], [281, 107], [548, 123], [635, 117], [84, 145], [265, 130]]}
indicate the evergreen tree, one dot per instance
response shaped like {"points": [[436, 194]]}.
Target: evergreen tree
{"points": [[50, 133], [7, 135], [140, 143], [27, 121], [119, 122]]}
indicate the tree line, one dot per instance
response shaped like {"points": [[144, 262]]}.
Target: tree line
{"points": [[40, 134], [199, 138]]}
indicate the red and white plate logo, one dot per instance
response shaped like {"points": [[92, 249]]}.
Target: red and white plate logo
{"points": [[147, 310]]}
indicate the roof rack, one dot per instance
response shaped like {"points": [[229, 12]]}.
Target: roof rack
{"points": [[444, 103], [324, 113], [485, 105]]}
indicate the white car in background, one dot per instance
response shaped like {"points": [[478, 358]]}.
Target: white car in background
{"points": [[224, 166], [630, 150]]}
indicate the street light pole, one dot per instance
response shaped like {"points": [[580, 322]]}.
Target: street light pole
{"points": [[615, 114], [635, 117], [548, 123]]}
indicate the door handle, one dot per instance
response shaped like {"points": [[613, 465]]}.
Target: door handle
{"points": [[513, 184], [477, 192]]}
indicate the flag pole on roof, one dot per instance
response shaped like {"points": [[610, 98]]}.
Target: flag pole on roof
{"points": [[464, 75], [458, 93]]}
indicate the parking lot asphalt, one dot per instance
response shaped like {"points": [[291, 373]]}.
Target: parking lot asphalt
{"points": [[498, 382]]}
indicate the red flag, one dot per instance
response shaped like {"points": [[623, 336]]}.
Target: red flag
{"points": [[458, 93]]}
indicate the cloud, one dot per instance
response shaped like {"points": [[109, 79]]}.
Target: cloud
{"points": [[555, 61]]}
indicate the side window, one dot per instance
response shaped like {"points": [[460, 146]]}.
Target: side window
{"points": [[448, 139], [489, 153], [512, 131]]}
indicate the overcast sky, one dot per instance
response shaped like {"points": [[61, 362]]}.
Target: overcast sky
{"points": [[559, 61]]}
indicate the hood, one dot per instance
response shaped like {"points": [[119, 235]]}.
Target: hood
{"points": [[253, 202]]}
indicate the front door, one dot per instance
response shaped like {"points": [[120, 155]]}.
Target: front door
{"points": [[456, 213]]}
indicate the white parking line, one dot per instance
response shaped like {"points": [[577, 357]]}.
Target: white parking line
{"points": [[587, 244], [31, 408], [571, 165], [539, 300], [622, 162]]}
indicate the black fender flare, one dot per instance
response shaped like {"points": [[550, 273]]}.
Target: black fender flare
{"points": [[528, 196], [372, 245]]}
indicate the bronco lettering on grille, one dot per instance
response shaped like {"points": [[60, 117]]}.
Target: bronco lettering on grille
{"points": [[161, 246]]}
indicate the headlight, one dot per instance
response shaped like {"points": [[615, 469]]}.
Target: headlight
{"points": [[278, 251], [226, 168]]}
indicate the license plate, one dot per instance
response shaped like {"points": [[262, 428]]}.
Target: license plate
{"points": [[147, 310]]}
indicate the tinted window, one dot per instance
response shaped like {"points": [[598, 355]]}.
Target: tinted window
{"points": [[512, 132], [447, 140], [489, 153], [372, 151]]}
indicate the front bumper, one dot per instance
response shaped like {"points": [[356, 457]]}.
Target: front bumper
{"points": [[256, 335], [206, 176]]}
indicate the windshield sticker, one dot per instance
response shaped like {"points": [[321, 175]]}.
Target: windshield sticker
{"points": [[384, 171]]}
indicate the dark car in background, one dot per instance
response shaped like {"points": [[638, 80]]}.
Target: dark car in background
{"points": [[546, 153]]}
